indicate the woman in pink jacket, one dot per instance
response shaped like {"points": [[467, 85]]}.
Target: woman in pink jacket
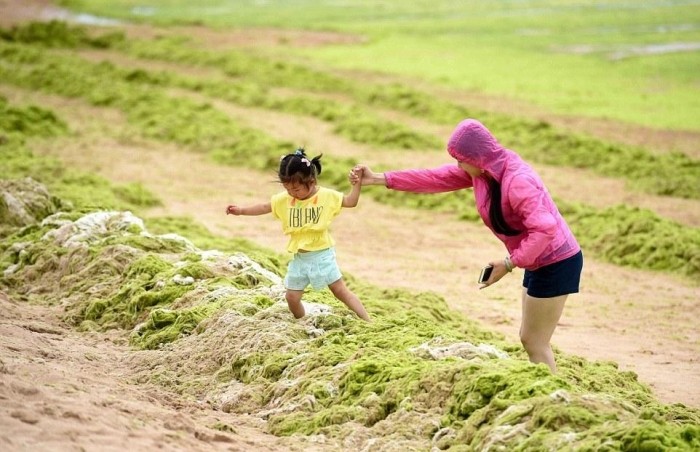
{"points": [[514, 203]]}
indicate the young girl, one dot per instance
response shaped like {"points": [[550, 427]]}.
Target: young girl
{"points": [[306, 211]]}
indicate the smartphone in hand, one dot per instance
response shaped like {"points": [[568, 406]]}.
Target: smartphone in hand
{"points": [[485, 274]]}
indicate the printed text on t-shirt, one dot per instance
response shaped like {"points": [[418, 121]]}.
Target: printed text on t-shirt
{"points": [[303, 216]]}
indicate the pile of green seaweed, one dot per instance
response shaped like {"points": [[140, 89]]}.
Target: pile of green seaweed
{"points": [[34, 57], [213, 326]]}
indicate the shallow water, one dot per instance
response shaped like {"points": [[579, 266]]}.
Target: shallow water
{"points": [[628, 51], [80, 18]]}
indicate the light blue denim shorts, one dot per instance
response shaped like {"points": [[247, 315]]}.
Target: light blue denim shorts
{"points": [[318, 268]]}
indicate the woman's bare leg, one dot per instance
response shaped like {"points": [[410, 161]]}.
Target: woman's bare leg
{"points": [[294, 302], [342, 293], [539, 319]]}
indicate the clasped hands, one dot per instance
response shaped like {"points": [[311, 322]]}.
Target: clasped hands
{"points": [[359, 173]]}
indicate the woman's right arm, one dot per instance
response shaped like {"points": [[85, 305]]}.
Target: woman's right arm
{"points": [[436, 180], [366, 175]]}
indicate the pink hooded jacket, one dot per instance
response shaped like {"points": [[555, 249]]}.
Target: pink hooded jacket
{"points": [[526, 203]]}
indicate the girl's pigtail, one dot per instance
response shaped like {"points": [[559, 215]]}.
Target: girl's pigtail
{"points": [[316, 161]]}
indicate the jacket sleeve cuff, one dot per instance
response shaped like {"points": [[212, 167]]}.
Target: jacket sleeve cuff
{"points": [[389, 179]]}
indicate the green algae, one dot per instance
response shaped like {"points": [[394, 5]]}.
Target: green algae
{"points": [[366, 130], [124, 280], [223, 427], [17, 162], [251, 76], [202, 127], [135, 194], [672, 174], [150, 243], [24, 202], [603, 374], [164, 326], [240, 349], [638, 238], [568, 422], [29, 121], [149, 266], [159, 116], [202, 238], [56, 33], [500, 386], [198, 270], [228, 338]]}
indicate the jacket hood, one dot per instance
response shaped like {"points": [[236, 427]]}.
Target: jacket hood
{"points": [[472, 143]]}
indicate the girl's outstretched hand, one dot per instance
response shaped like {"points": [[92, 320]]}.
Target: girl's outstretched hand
{"points": [[233, 210]]}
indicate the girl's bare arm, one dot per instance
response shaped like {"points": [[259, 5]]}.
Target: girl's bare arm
{"points": [[256, 209], [351, 199]]}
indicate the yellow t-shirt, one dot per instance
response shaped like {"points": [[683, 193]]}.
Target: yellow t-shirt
{"points": [[307, 222]]}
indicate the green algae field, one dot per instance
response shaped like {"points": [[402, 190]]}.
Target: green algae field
{"points": [[425, 378], [205, 316]]}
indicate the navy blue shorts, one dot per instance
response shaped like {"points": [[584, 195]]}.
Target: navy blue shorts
{"points": [[553, 280]]}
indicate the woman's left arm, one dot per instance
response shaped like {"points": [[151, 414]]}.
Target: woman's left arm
{"points": [[529, 201], [445, 178]]}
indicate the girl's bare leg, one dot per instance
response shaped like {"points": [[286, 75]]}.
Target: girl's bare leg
{"points": [[539, 319], [342, 293], [294, 302]]}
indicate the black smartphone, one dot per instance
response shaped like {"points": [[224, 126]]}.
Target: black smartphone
{"points": [[485, 274]]}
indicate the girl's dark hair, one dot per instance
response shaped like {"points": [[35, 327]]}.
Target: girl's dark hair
{"points": [[297, 168], [498, 222]]}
